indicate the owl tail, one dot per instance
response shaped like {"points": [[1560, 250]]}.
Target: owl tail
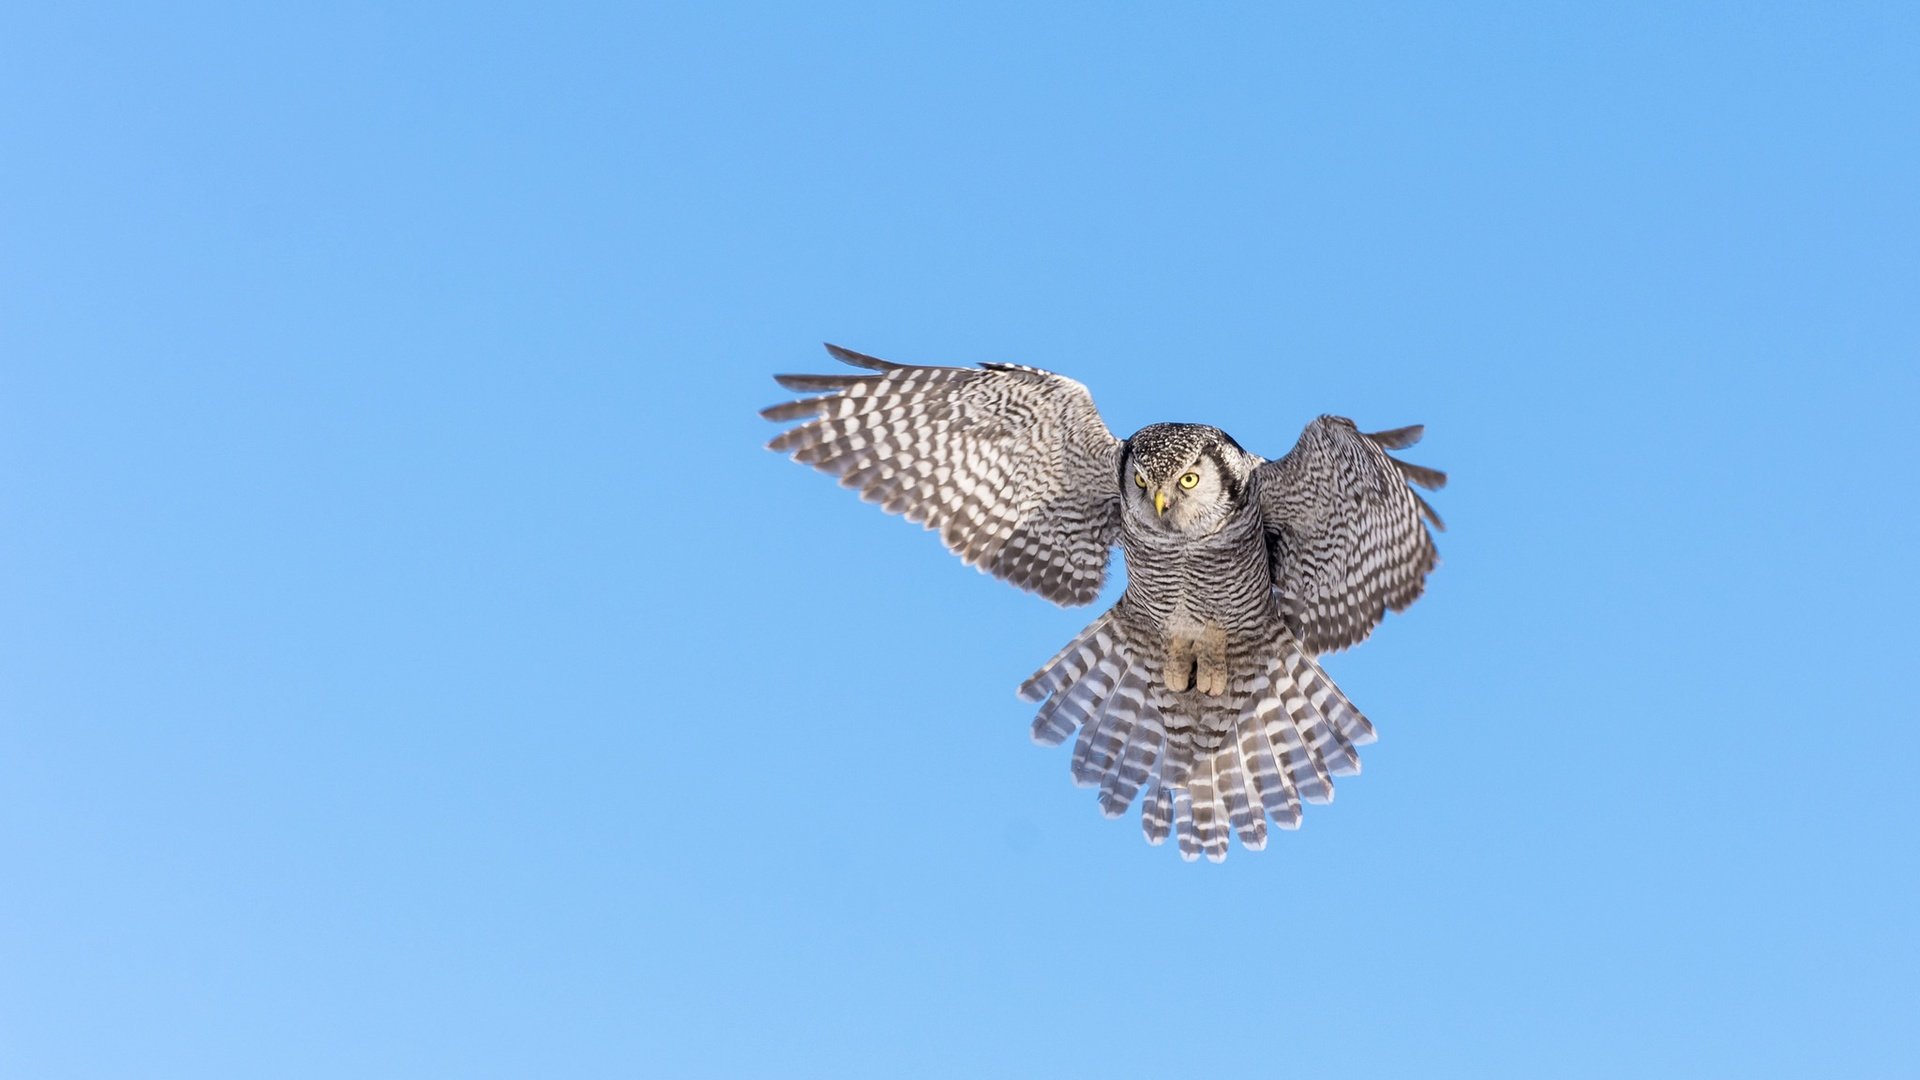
{"points": [[1276, 739]]}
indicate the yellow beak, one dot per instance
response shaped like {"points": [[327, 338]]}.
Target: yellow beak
{"points": [[1160, 502]]}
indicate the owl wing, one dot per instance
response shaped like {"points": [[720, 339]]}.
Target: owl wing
{"points": [[1012, 465], [1345, 538]]}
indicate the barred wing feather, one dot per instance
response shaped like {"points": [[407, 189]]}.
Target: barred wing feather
{"points": [[1010, 464], [1345, 532]]}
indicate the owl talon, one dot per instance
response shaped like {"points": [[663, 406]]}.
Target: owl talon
{"points": [[1179, 667], [1210, 660]]}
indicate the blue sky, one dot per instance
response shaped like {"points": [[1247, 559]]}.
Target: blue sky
{"points": [[411, 665]]}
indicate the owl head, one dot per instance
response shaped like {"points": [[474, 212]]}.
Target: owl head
{"points": [[1182, 478]]}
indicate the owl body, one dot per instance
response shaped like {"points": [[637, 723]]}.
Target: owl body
{"points": [[1198, 692], [1187, 588], [1187, 571]]}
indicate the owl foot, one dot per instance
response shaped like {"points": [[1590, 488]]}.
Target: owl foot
{"points": [[1210, 662], [1199, 663], [1210, 679], [1179, 668]]}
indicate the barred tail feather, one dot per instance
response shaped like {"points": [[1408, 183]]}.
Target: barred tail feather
{"points": [[1276, 795], [1141, 753], [1109, 744], [1349, 721], [1095, 686], [1156, 814], [1210, 811], [1344, 727], [1062, 683], [1183, 827], [1307, 775], [1104, 681], [1243, 806], [1071, 662], [1210, 767], [1205, 802], [1072, 708]]}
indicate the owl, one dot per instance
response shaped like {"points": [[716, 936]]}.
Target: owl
{"points": [[1198, 693]]}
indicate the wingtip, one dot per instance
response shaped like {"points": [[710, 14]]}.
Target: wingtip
{"points": [[858, 359], [1399, 438], [1431, 479], [813, 384]]}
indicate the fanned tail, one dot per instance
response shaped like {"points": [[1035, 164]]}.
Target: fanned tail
{"points": [[1209, 766], [1062, 678]]}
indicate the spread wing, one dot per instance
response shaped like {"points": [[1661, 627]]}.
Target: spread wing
{"points": [[1344, 532], [1012, 465]]}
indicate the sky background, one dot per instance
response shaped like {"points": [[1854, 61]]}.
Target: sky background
{"points": [[412, 665]]}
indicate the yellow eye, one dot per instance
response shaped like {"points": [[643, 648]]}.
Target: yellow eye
{"points": [[1140, 479], [1190, 481]]}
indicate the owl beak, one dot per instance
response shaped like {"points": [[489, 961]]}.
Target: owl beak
{"points": [[1160, 502]]}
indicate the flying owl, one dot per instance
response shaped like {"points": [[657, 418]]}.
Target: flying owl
{"points": [[1198, 692]]}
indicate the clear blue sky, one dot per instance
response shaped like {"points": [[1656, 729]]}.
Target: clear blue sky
{"points": [[411, 664]]}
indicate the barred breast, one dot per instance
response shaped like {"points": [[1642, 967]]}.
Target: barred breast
{"points": [[1180, 584]]}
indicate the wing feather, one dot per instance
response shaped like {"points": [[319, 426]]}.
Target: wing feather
{"points": [[1344, 530], [1011, 465]]}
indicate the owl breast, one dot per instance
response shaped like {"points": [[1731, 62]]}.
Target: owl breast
{"points": [[1181, 585]]}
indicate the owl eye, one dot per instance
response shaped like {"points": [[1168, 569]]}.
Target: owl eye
{"points": [[1140, 479], [1190, 481]]}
